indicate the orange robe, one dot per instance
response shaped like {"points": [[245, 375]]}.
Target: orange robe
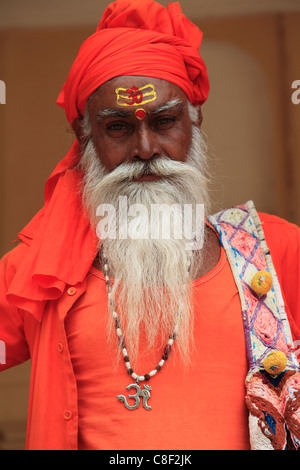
{"points": [[74, 382]]}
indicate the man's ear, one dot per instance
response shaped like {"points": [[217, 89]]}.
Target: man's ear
{"points": [[77, 128], [200, 117]]}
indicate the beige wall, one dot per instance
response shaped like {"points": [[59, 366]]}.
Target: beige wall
{"points": [[292, 112], [249, 119], [257, 134], [37, 13]]}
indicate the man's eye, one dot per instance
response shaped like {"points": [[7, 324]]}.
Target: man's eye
{"points": [[116, 127], [165, 122]]}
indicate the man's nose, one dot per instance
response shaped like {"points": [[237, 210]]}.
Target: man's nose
{"points": [[146, 144]]}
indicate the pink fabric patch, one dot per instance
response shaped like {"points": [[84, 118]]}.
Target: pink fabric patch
{"points": [[265, 325]]}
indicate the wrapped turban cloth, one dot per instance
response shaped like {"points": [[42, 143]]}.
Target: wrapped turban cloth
{"points": [[134, 37], [138, 38]]}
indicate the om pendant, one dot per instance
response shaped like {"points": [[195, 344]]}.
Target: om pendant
{"points": [[145, 394]]}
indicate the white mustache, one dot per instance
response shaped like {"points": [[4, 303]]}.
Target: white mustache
{"points": [[162, 166]]}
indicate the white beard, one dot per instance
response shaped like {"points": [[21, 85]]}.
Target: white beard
{"points": [[151, 276]]}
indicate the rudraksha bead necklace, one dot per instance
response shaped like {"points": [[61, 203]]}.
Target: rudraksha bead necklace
{"points": [[145, 394]]}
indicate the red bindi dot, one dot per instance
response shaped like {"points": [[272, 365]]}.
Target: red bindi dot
{"points": [[140, 114]]}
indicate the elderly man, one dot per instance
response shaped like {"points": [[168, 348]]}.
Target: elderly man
{"points": [[139, 340]]}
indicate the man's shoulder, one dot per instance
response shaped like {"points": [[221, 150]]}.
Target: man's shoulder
{"points": [[280, 231], [283, 240], [10, 262], [17, 251], [273, 221], [280, 234]]}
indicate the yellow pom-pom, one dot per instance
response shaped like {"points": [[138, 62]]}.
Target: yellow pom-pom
{"points": [[262, 282], [275, 362]]}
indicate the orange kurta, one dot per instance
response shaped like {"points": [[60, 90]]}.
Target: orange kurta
{"points": [[200, 406], [74, 382]]}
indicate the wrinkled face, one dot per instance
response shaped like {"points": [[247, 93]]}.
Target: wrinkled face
{"points": [[139, 118]]}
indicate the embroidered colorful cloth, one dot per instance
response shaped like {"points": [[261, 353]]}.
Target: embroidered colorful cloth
{"points": [[273, 400]]}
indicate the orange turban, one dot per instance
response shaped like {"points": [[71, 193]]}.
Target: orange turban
{"points": [[137, 37], [134, 37]]}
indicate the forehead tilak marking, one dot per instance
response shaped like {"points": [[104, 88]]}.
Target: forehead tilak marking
{"points": [[135, 96], [140, 114]]}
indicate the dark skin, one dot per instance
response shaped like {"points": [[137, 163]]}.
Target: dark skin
{"points": [[165, 130]]}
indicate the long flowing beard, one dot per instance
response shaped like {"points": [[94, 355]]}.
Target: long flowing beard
{"points": [[152, 276]]}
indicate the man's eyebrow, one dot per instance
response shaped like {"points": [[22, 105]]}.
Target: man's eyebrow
{"points": [[173, 105], [112, 112]]}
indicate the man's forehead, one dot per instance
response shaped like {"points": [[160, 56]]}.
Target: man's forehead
{"points": [[129, 80], [129, 93]]}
